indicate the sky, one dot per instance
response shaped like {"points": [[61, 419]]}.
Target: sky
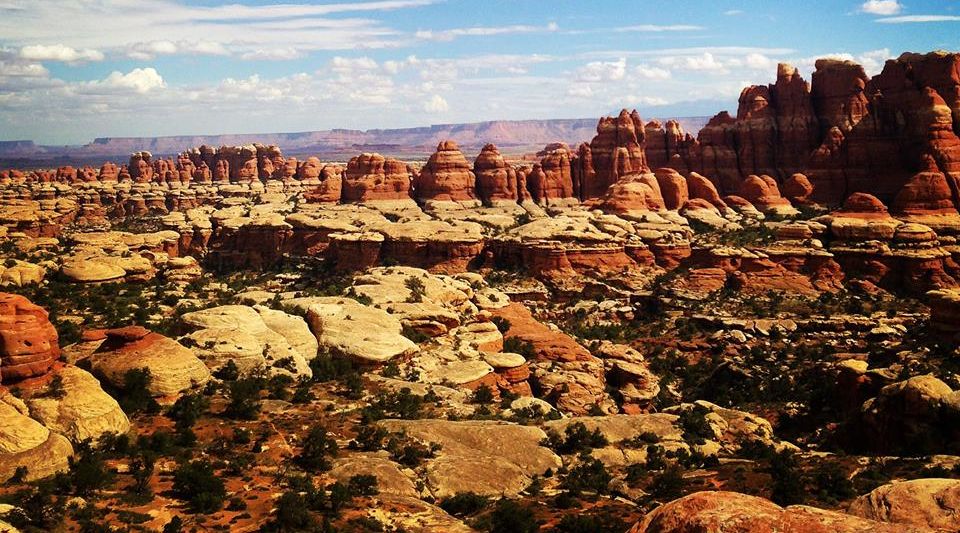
{"points": [[73, 70]]}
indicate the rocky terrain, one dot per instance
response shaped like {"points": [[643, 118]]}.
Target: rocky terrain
{"points": [[750, 330]]}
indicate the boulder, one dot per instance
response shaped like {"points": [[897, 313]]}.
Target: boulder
{"points": [[732, 512], [933, 503], [485, 457], [366, 334]]}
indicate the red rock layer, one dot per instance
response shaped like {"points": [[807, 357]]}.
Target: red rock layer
{"points": [[618, 149], [28, 341], [371, 177], [446, 176], [496, 180]]}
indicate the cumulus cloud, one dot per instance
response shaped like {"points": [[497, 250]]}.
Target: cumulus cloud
{"points": [[59, 52], [138, 80], [881, 7], [597, 71], [652, 73], [698, 62], [436, 104], [272, 54], [580, 91]]}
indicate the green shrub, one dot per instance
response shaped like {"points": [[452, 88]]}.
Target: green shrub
{"points": [[576, 439], [511, 517], [589, 475], [464, 504], [197, 484], [318, 446]]}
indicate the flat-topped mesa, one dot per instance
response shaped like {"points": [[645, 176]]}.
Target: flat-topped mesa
{"points": [[550, 181], [372, 178], [498, 182], [447, 177], [28, 341], [616, 150]]}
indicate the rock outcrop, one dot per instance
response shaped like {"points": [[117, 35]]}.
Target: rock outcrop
{"points": [[932, 502], [28, 341], [447, 177], [732, 512], [173, 367]]}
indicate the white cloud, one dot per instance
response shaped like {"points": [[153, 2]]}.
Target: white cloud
{"points": [[881, 7], [436, 104], [144, 51], [632, 100], [872, 61], [759, 61], [733, 12], [654, 28], [698, 62], [138, 80], [596, 71], [481, 31], [919, 18], [652, 73], [59, 52], [272, 54], [580, 91]]}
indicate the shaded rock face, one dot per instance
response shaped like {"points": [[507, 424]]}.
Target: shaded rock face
{"points": [[447, 176], [616, 150], [372, 177], [843, 131], [732, 512], [496, 181], [551, 178], [915, 416], [28, 341]]}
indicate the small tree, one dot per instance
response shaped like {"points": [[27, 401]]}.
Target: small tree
{"points": [[198, 484], [136, 396], [317, 447]]}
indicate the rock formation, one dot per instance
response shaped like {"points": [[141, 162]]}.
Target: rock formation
{"points": [[29, 341], [372, 177], [447, 177]]}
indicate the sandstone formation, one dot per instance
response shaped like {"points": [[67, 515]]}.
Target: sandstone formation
{"points": [[29, 341], [497, 182], [933, 503], [447, 177], [372, 177], [174, 368], [739, 513]]}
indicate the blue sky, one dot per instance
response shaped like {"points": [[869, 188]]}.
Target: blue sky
{"points": [[73, 70]]}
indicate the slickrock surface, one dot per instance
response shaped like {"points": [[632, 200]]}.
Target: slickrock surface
{"points": [[173, 367], [84, 411], [740, 513], [920, 502]]}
